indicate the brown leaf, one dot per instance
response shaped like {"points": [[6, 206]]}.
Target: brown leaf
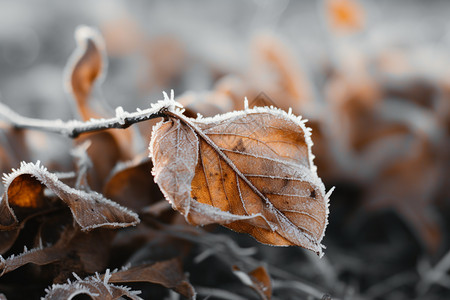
{"points": [[94, 287], [24, 195], [131, 185], [250, 171], [85, 67], [258, 279], [37, 256], [105, 152], [66, 247], [344, 15], [167, 273]]}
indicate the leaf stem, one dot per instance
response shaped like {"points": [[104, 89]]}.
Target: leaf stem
{"points": [[74, 128]]}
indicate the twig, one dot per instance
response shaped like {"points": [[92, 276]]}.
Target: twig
{"points": [[218, 293], [297, 285], [390, 284], [74, 128], [436, 275]]}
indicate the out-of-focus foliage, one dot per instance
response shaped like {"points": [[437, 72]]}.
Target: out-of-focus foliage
{"points": [[371, 77]]}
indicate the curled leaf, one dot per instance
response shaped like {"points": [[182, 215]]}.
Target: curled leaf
{"points": [[94, 287], [72, 250], [344, 15], [250, 171], [36, 256], [85, 67], [131, 185], [24, 195], [258, 279], [167, 273]]}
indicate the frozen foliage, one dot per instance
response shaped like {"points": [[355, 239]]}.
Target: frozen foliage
{"points": [[95, 287], [89, 209], [83, 35], [181, 146], [39, 256]]}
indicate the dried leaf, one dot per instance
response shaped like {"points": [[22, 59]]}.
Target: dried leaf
{"points": [[83, 70], [25, 194], [344, 15], [35, 256], [95, 287], [258, 279], [131, 185], [104, 152], [167, 273], [250, 171], [71, 250], [85, 67]]}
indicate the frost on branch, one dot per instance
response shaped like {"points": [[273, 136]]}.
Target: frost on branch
{"points": [[251, 171]]}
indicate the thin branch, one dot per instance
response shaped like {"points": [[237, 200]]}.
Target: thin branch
{"points": [[74, 128], [390, 284], [435, 275], [217, 293], [298, 286]]}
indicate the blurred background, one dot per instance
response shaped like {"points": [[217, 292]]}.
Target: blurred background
{"points": [[373, 78]]}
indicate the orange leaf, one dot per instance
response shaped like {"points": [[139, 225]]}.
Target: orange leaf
{"points": [[85, 67], [250, 171], [168, 273], [345, 15], [24, 196], [131, 186], [92, 287], [258, 279]]}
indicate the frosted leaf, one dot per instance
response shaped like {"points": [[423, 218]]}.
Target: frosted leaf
{"points": [[251, 171], [94, 287], [85, 66], [38, 256], [24, 190], [167, 273], [131, 185], [258, 279]]}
